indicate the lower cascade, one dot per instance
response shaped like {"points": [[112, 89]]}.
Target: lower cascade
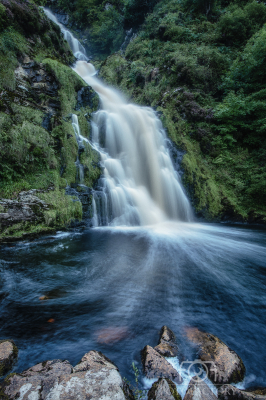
{"points": [[139, 185]]}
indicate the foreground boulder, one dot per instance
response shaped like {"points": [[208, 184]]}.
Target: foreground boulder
{"points": [[156, 366], [167, 344], [163, 389], [229, 392], [94, 378], [223, 364], [199, 390], [8, 355]]}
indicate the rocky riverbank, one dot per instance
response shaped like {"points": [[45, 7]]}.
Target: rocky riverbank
{"points": [[95, 377]]}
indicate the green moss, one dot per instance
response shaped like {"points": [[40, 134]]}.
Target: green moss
{"points": [[64, 208], [175, 65], [11, 43], [69, 82], [172, 387]]}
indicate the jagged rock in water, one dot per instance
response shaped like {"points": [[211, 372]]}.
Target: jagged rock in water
{"points": [[223, 364], [94, 377], [8, 354], [156, 366], [167, 346], [229, 392], [163, 389], [199, 390]]}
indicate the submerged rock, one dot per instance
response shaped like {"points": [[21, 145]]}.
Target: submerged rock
{"points": [[8, 354], [222, 363], [167, 346], [199, 390], [156, 366], [163, 389], [229, 392], [112, 334], [94, 377]]}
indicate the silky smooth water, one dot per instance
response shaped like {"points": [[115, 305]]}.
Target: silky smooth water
{"points": [[136, 279], [125, 282], [139, 185]]}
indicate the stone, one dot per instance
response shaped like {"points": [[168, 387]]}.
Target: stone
{"points": [[167, 346], [26, 208], [112, 334], [229, 392], [156, 366], [223, 364], [163, 389], [199, 390], [95, 377], [8, 355]]}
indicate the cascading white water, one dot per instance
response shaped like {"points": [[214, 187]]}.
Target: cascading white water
{"points": [[77, 48], [139, 183], [80, 139]]}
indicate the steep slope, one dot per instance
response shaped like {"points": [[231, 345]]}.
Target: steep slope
{"points": [[201, 67], [38, 148]]}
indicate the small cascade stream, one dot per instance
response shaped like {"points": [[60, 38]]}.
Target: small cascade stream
{"points": [[80, 139], [77, 48], [139, 185]]}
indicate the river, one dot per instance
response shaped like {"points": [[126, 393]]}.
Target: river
{"points": [[136, 279], [146, 263]]}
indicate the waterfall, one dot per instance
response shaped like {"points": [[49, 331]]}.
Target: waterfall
{"points": [[77, 48], [80, 139], [139, 185]]}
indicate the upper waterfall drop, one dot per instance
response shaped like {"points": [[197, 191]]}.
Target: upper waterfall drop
{"points": [[77, 48], [139, 185]]}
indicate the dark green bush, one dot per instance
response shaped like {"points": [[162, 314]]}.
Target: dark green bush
{"points": [[237, 25]]}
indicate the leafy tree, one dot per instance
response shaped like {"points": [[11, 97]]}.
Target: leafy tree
{"points": [[200, 6]]}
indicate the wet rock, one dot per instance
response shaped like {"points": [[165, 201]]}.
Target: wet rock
{"points": [[156, 366], [229, 392], [8, 355], [163, 389], [222, 363], [85, 97], [199, 390], [94, 377], [167, 344], [37, 87], [26, 208]]}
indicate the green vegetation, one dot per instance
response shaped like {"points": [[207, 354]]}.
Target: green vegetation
{"points": [[200, 65], [38, 94]]}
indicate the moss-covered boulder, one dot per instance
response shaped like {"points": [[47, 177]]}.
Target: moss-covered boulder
{"points": [[8, 355]]}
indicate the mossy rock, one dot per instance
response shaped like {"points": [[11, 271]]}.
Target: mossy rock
{"points": [[164, 389]]}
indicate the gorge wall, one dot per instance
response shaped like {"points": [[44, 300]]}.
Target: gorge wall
{"points": [[38, 148]]}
